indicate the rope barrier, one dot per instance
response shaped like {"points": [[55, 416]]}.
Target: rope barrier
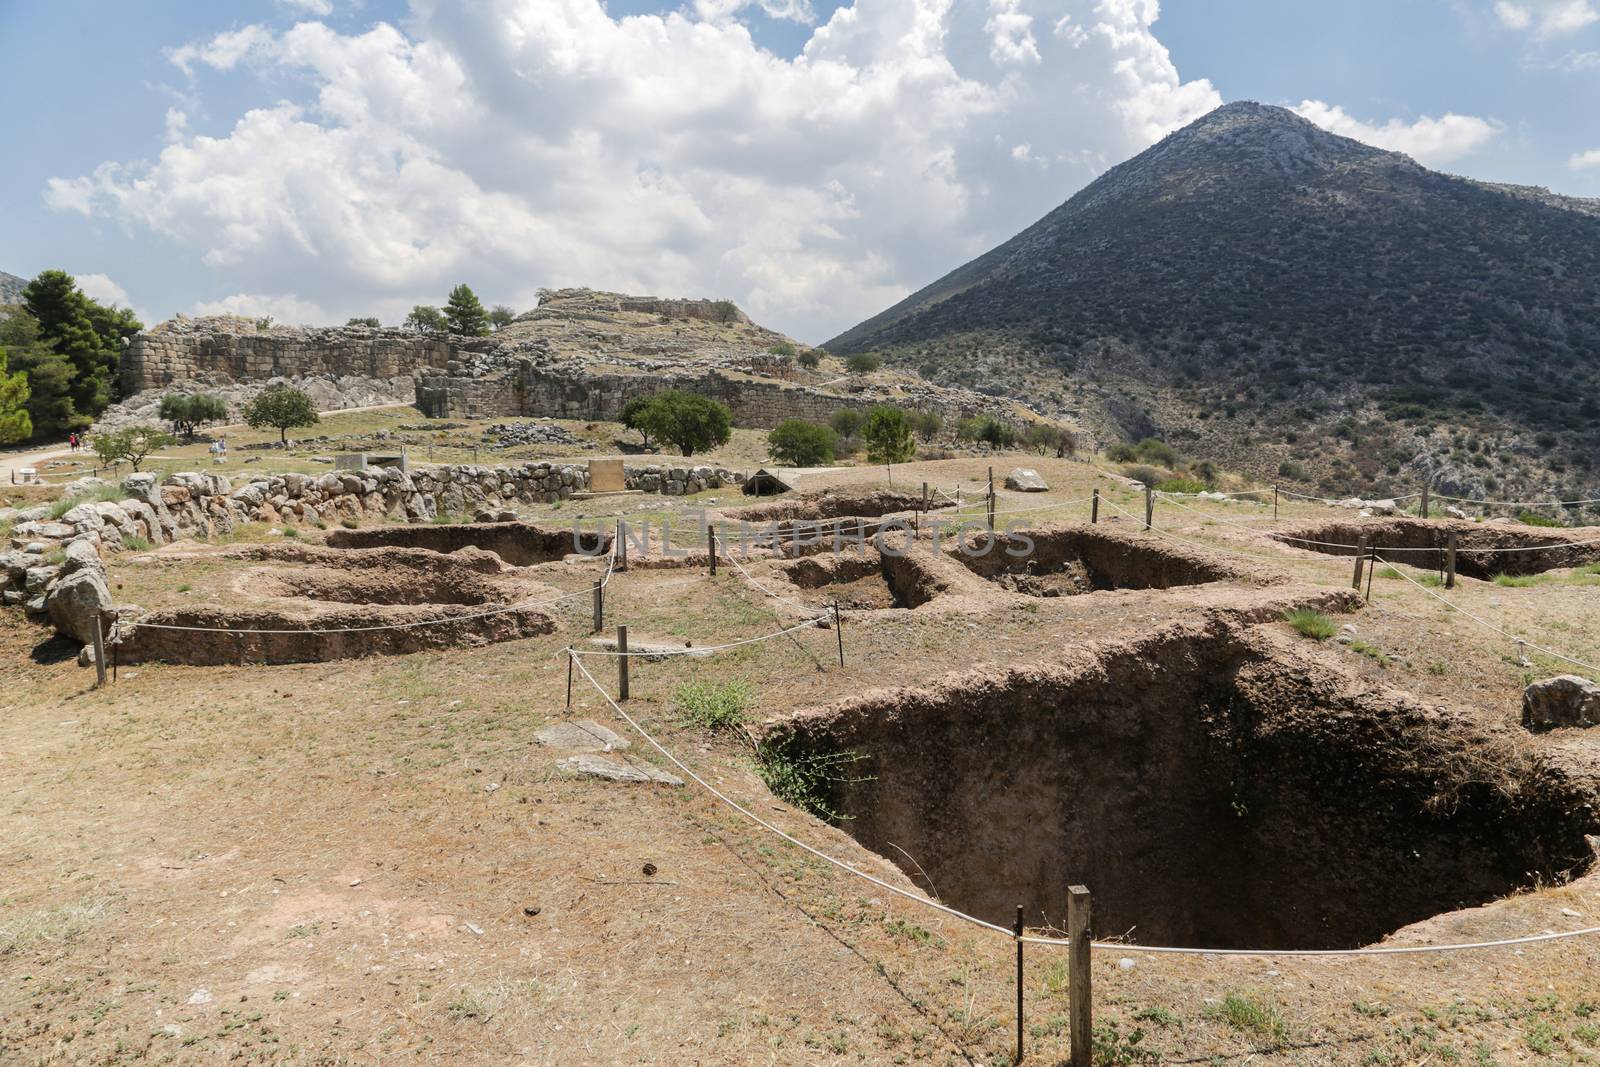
{"points": [[1487, 624], [703, 649]]}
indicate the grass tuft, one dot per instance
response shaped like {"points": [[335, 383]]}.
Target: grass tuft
{"points": [[713, 705], [1312, 624], [1248, 1015], [805, 779], [1518, 581]]}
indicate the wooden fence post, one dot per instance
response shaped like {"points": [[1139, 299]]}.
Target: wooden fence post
{"points": [[1274, 502], [1450, 561], [1372, 570], [1080, 999], [1361, 557], [1149, 507], [622, 663], [838, 630], [711, 549], [1019, 983], [599, 605], [99, 653], [569, 676], [622, 548], [991, 500], [1094, 506], [1424, 499]]}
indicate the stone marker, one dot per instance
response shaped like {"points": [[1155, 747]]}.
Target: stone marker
{"points": [[1565, 700], [1026, 480], [584, 735], [616, 770]]}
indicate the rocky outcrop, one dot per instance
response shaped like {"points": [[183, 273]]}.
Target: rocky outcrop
{"points": [[328, 392]]}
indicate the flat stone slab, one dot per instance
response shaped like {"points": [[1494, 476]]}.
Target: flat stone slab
{"points": [[616, 770], [583, 735], [1025, 480]]}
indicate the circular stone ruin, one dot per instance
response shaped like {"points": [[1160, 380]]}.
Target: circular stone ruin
{"points": [[1214, 786], [306, 604], [1483, 550]]}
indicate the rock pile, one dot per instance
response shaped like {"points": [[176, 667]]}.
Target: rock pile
{"points": [[511, 434]]}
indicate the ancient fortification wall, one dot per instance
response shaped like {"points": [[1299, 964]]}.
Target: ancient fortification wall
{"points": [[524, 387], [230, 348]]}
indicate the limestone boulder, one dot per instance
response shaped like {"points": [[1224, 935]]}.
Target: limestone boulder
{"points": [[1026, 480], [1565, 700], [77, 601]]}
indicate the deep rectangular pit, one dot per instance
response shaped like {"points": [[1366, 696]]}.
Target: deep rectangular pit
{"points": [[863, 580], [1064, 561], [1483, 550], [1209, 788], [520, 544]]}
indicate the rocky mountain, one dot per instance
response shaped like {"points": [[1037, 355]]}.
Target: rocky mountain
{"points": [[11, 288], [1263, 293]]}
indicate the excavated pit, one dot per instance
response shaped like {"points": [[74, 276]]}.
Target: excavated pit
{"points": [[1066, 561], [520, 544], [313, 604], [1212, 787], [832, 504], [1483, 550], [867, 580]]}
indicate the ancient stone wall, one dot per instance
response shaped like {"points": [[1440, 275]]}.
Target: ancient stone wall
{"points": [[187, 349], [491, 388]]}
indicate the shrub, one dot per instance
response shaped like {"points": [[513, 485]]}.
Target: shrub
{"points": [[131, 443], [1310, 623], [187, 412], [1293, 471], [1151, 450], [1144, 475], [371, 321], [1533, 518], [863, 362], [810, 358], [780, 348], [927, 424], [712, 705], [846, 422], [798, 443], [804, 779], [1181, 485], [992, 431], [1121, 452], [1246, 1014]]}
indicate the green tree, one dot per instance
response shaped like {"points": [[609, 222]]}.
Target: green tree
{"points": [[501, 316], [780, 348], [863, 362], [189, 411], [1042, 437], [370, 321], [888, 436], [927, 424], [691, 422], [87, 333], [465, 314], [846, 422], [798, 443], [15, 425], [132, 443], [633, 417], [724, 311], [425, 318], [283, 407], [810, 359], [49, 375]]}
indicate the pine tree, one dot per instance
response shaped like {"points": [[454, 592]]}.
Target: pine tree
{"points": [[49, 375], [465, 314], [87, 333], [15, 425]]}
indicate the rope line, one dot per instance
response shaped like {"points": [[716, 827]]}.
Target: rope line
{"points": [[1487, 624], [704, 649]]}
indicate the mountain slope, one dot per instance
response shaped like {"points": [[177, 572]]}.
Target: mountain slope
{"points": [[11, 288], [1253, 285]]}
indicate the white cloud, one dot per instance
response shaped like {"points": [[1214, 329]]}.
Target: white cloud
{"points": [[1589, 160], [282, 307], [1547, 18], [1431, 141], [320, 8], [102, 288], [522, 143]]}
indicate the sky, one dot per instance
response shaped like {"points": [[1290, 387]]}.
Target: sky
{"points": [[813, 160]]}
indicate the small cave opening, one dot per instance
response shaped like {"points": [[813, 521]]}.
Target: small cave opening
{"points": [[1211, 787]]}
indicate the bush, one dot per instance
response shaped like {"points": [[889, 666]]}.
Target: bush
{"points": [[370, 321], [927, 424], [1144, 475], [1121, 452], [798, 443], [780, 348], [187, 412], [689, 421], [846, 422], [810, 358], [863, 363], [1533, 518], [988, 429], [1312, 624], [1151, 450], [1293, 471], [1180, 485]]}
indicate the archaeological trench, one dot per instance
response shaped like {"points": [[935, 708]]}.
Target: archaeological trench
{"points": [[1216, 780]]}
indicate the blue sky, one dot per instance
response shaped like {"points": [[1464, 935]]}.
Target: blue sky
{"points": [[293, 157]]}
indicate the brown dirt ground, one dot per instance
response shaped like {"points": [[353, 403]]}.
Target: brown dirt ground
{"points": [[372, 859]]}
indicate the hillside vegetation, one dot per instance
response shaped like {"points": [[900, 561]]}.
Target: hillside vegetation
{"points": [[1290, 302]]}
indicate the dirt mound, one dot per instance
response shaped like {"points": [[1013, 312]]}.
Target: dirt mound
{"points": [[1216, 786], [520, 544], [832, 504], [1481, 548]]}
